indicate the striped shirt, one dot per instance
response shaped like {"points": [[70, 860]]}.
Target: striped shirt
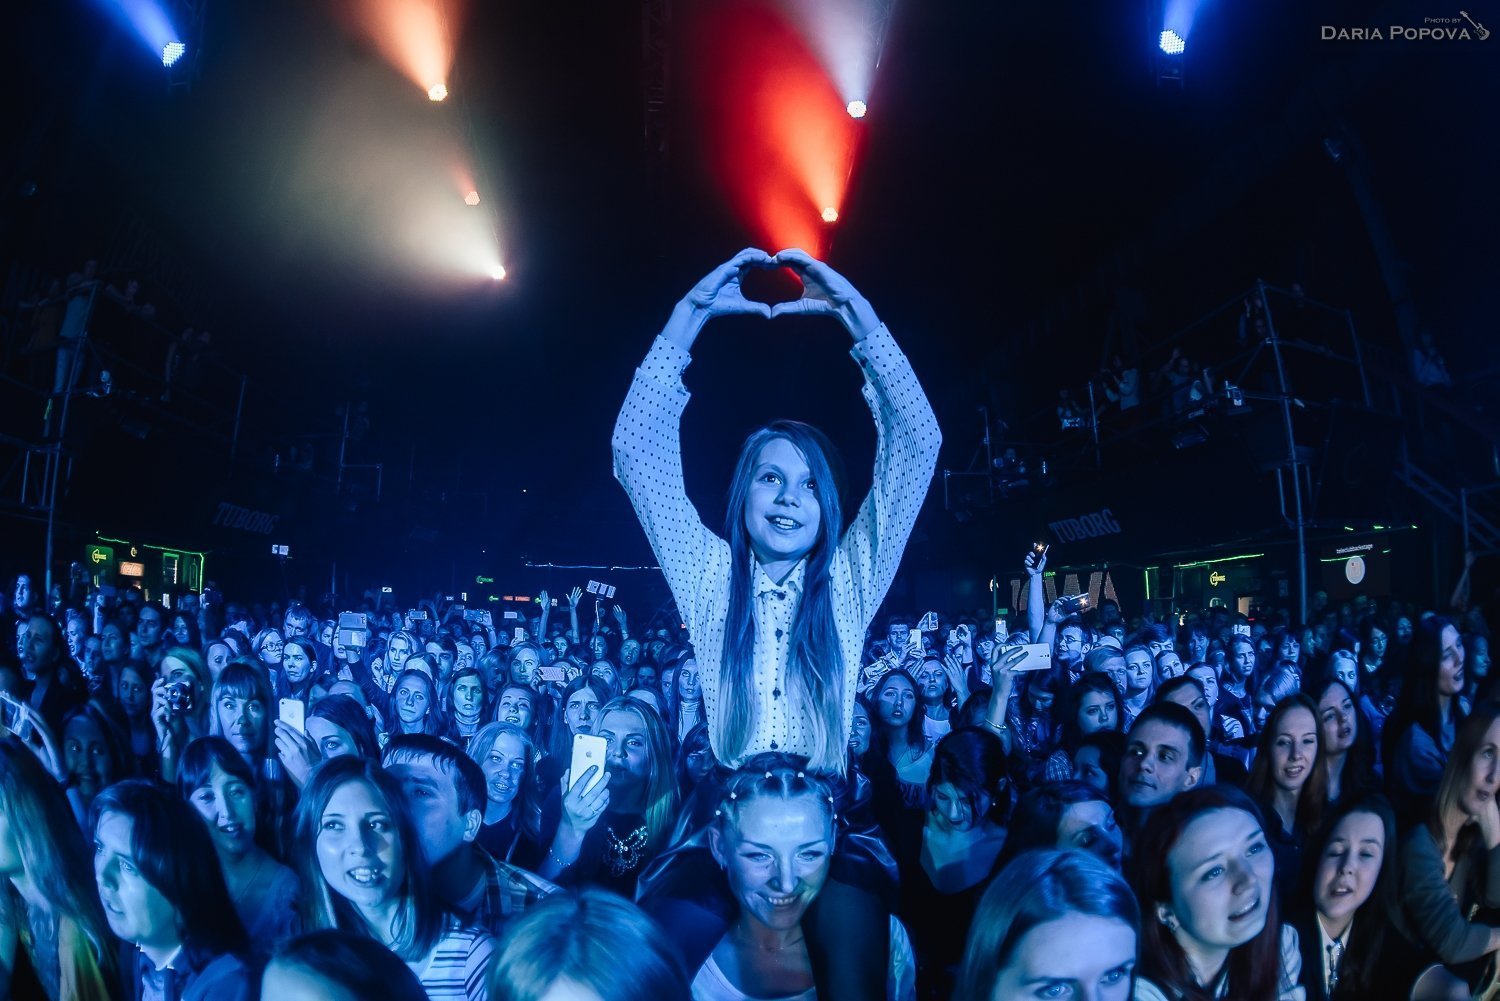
{"points": [[697, 563], [455, 968]]}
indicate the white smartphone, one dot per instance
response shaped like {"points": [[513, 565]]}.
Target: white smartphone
{"points": [[588, 750], [293, 713], [1038, 656]]}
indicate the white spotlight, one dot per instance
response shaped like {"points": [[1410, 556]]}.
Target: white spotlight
{"points": [[830, 214], [1172, 43], [856, 109], [171, 52], [498, 273], [472, 198], [437, 92]]}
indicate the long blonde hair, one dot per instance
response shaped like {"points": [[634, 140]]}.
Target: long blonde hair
{"points": [[815, 658], [661, 785], [52, 851]]}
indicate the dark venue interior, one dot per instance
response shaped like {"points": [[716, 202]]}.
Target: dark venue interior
{"points": [[340, 473]]}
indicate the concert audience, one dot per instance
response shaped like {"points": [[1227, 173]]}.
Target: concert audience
{"points": [[804, 796], [434, 818]]}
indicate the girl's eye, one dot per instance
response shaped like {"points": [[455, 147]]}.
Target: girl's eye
{"points": [[333, 825], [1213, 873]]}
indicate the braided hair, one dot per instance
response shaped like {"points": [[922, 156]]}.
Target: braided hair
{"points": [[770, 775]]}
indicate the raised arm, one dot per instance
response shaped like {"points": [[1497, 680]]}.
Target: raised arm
{"points": [[906, 431], [1036, 595], [647, 441]]}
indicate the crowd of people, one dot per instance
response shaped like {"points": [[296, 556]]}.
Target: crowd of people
{"points": [[796, 796]]}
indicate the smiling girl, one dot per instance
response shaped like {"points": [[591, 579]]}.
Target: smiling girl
{"points": [[1288, 781], [362, 870], [774, 837], [778, 605]]}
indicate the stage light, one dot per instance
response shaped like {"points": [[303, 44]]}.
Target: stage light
{"points": [[1172, 43], [830, 214], [171, 52], [437, 92], [472, 198], [856, 109], [498, 273]]}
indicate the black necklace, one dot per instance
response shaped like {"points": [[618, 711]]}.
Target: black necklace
{"points": [[624, 856]]}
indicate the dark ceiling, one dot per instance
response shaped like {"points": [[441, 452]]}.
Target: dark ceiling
{"points": [[1021, 166]]}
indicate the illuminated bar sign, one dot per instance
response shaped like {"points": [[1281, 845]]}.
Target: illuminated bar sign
{"points": [[129, 569]]}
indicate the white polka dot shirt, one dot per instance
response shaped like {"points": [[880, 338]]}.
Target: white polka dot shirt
{"points": [[696, 562]]}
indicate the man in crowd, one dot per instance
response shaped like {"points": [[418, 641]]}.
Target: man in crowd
{"points": [[1163, 757], [445, 791]]}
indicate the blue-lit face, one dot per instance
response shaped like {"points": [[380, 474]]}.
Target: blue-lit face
{"points": [[782, 511]]}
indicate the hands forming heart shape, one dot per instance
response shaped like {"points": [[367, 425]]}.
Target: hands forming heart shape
{"points": [[824, 290]]}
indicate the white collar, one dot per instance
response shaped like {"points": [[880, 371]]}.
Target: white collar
{"points": [[1325, 940], [764, 584], [170, 964]]}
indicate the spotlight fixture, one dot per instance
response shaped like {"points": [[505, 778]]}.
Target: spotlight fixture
{"points": [[830, 214], [472, 198], [437, 92], [171, 52], [856, 109], [498, 273], [1172, 43]]}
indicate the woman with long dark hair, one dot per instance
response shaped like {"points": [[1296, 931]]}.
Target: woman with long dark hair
{"points": [[164, 897], [414, 702], [466, 699], [217, 782], [1340, 912], [1348, 750], [1205, 878], [362, 871], [965, 831], [54, 942], [685, 700], [1091, 705], [293, 678], [1429, 711], [1287, 781], [897, 737], [95, 751]]}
